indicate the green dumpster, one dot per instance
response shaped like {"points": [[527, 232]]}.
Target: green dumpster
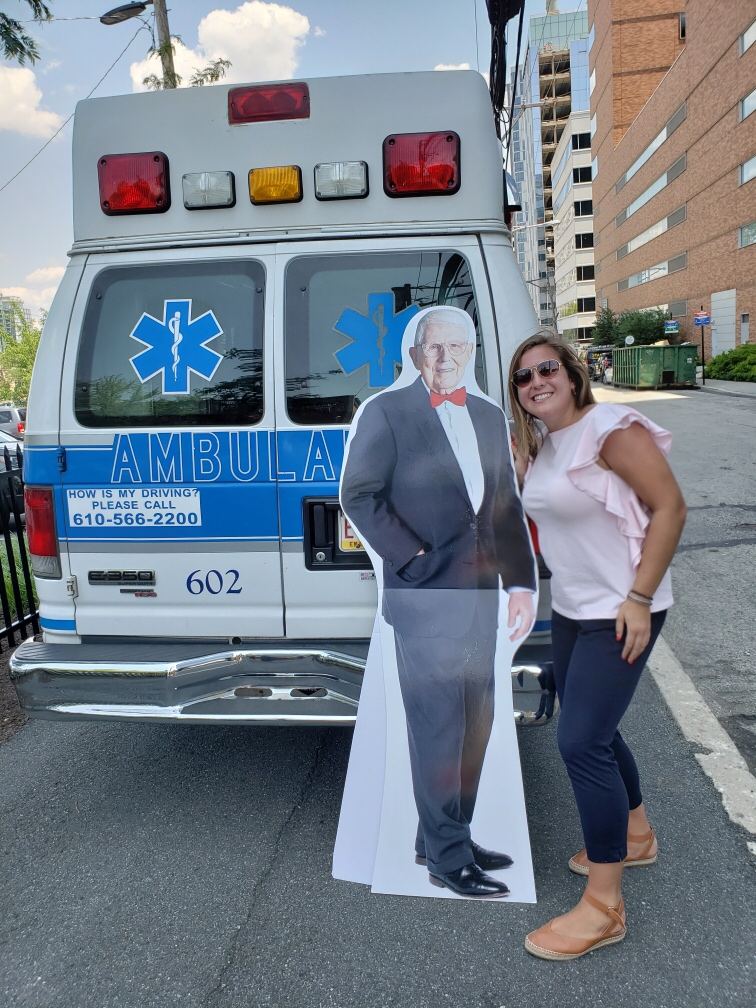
{"points": [[652, 367]]}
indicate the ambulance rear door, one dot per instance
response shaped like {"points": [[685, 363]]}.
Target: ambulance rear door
{"points": [[168, 505], [343, 307]]}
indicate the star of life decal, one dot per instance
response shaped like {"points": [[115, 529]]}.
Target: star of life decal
{"points": [[376, 338], [176, 346]]}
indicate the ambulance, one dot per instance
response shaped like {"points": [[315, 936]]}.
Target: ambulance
{"points": [[245, 261]]}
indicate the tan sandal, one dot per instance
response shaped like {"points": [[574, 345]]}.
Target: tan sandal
{"points": [[579, 862], [547, 944]]}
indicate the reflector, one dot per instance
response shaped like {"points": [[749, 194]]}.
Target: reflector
{"points": [[133, 183], [341, 180], [275, 185], [268, 102], [208, 189], [421, 164]]}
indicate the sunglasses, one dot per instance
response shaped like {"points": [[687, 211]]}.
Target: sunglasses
{"points": [[524, 376]]}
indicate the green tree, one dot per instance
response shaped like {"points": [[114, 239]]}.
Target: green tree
{"points": [[16, 44], [17, 358], [211, 74], [605, 330], [645, 326]]}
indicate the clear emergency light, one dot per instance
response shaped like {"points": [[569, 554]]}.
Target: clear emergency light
{"points": [[203, 190], [341, 180], [282, 184], [268, 103], [133, 183], [421, 164]]}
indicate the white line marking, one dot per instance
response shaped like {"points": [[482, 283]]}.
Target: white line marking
{"points": [[723, 763]]}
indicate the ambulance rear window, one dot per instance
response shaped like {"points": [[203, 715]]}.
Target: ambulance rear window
{"points": [[173, 343], [344, 317]]}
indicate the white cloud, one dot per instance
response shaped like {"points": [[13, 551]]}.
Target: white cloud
{"points": [[42, 284], [34, 300], [19, 104], [319, 32], [260, 39], [46, 274], [452, 66]]}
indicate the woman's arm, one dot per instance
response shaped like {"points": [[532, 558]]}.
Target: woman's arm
{"points": [[634, 456]]}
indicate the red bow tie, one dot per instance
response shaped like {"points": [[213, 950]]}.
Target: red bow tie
{"points": [[458, 397]]}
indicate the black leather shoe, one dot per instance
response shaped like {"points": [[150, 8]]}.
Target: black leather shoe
{"points": [[470, 881], [488, 860]]}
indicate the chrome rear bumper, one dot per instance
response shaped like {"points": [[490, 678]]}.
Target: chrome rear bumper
{"points": [[306, 683]]}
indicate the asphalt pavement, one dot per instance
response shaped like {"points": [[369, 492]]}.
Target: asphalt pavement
{"points": [[148, 866]]}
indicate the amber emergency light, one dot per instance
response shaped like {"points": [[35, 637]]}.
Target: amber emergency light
{"points": [[133, 183], [275, 185], [421, 164], [268, 103]]}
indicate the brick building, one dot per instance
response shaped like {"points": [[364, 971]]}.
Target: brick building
{"points": [[673, 123]]}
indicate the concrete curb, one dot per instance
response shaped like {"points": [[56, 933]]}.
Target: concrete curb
{"points": [[726, 392]]}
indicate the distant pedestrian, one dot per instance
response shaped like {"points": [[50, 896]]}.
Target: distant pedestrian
{"points": [[609, 515]]}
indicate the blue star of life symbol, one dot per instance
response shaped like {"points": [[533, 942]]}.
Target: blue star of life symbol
{"points": [[376, 338], [176, 346]]}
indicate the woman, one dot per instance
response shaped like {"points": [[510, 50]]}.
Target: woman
{"points": [[609, 515]]}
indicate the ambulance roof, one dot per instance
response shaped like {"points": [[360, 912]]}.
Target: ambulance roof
{"points": [[349, 119]]}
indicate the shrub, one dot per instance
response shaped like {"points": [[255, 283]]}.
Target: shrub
{"points": [[735, 365]]}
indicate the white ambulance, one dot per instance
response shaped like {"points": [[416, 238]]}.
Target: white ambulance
{"points": [[245, 261]]}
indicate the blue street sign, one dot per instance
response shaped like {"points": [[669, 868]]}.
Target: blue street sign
{"points": [[672, 326], [702, 318]]}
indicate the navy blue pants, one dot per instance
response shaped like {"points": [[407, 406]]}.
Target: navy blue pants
{"points": [[595, 687]]}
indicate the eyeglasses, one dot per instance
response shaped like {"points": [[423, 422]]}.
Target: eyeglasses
{"points": [[524, 376], [434, 350]]}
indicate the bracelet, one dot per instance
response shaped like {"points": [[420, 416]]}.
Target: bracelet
{"points": [[639, 601], [634, 591]]}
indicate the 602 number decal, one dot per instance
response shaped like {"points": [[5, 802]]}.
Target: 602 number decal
{"points": [[213, 582]]}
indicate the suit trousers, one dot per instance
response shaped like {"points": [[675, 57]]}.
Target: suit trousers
{"points": [[447, 686], [595, 687]]}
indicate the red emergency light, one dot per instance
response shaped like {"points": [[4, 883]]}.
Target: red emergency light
{"points": [[268, 103], [421, 164], [133, 183]]}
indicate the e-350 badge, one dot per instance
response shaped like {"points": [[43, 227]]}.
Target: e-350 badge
{"points": [[176, 346]]}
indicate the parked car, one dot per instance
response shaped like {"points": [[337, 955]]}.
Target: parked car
{"points": [[597, 359], [12, 419], [11, 459]]}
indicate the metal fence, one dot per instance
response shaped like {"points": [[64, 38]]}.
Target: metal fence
{"points": [[18, 603]]}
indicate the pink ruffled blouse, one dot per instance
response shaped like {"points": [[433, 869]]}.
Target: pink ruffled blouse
{"points": [[591, 524]]}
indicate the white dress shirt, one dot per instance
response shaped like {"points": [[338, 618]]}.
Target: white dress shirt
{"points": [[459, 430]]}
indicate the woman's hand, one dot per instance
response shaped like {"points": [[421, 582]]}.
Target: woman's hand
{"points": [[634, 622]]}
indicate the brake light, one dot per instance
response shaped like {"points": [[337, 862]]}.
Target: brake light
{"points": [[40, 531], [534, 535], [268, 102], [421, 164], [133, 183], [20, 427]]}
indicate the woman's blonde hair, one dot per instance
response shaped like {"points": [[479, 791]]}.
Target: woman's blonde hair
{"points": [[526, 429]]}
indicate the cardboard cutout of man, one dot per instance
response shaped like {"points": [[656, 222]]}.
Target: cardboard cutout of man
{"points": [[429, 486]]}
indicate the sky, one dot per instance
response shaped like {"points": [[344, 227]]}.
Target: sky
{"points": [[263, 41]]}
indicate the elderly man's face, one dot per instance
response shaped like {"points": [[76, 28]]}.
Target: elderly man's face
{"points": [[443, 356]]}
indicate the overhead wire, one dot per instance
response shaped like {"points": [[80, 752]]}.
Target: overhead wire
{"points": [[61, 128]]}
